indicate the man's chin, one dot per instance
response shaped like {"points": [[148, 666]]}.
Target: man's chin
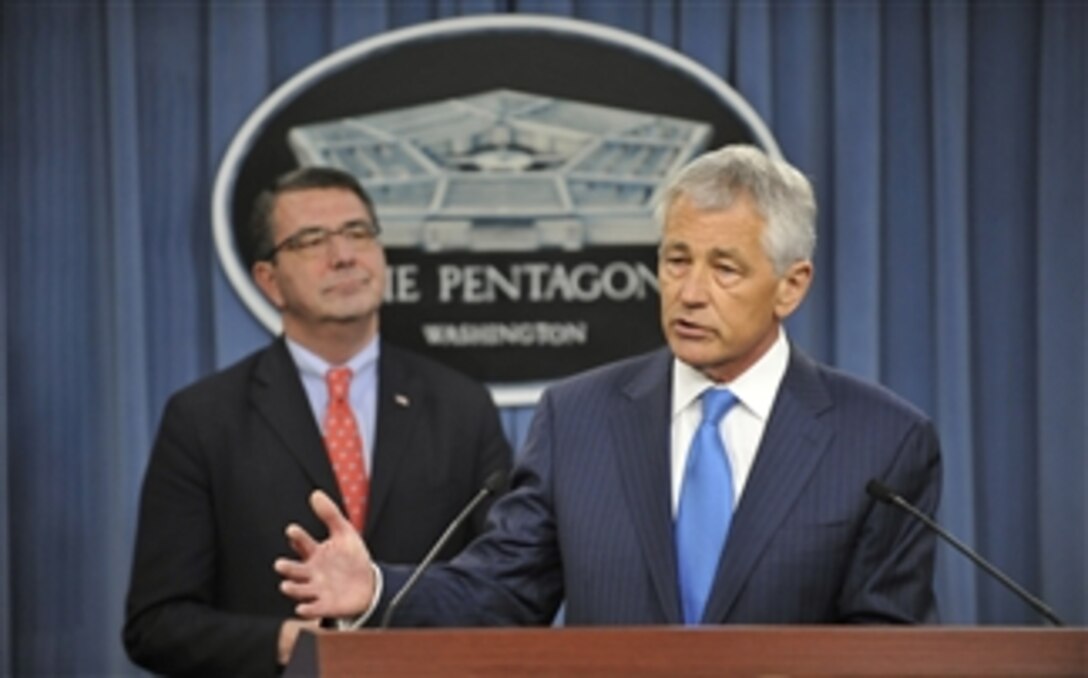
{"points": [[348, 316], [702, 355], [691, 349]]}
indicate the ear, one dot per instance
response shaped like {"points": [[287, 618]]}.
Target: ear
{"points": [[264, 274], [792, 288]]}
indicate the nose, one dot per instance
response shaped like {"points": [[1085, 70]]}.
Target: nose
{"points": [[693, 288], [340, 250]]}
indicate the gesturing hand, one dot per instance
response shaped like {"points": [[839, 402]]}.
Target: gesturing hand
{"points": [[332, 578]]}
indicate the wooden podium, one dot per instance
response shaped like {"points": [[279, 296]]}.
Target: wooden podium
{"points": [[706, 651]]}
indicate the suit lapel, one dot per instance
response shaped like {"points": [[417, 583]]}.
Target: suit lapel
{"points": [[793, 442], [641, 432], [277, 396], [400, 399]]}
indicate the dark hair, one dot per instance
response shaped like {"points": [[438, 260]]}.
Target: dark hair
{"points": [[260, 234]]}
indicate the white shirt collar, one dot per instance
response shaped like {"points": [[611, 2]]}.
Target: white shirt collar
{"points": [[755, 388]]}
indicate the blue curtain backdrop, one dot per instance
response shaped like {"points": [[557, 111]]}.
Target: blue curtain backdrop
{"points": [[947, 141]]}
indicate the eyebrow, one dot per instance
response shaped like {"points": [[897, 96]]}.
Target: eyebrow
{"points": [[673, 245], [715, 253], [349, 222], [730, 252]]}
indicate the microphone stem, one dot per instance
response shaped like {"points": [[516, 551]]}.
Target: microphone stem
{"points": [[997, 574], [432, 554]]}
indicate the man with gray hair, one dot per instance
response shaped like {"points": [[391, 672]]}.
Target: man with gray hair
{"points": [[718, 480]]}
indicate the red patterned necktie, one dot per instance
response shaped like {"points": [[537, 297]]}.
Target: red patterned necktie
{"points": [[345, 446]]}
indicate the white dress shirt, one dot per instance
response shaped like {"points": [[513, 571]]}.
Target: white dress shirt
{"points": [[741, 428]]}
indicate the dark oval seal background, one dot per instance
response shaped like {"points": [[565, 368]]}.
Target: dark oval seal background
{"points": [[537, 58]]}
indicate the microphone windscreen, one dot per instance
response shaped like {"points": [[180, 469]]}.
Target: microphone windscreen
{"points": [[495, 482], [879, 491]]}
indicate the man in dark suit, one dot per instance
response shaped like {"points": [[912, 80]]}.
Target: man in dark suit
{"points": [[238, 453], [721, 480]]}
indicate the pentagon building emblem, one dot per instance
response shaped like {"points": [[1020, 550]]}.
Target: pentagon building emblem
{"points": [[514, 162], [507, 170]]}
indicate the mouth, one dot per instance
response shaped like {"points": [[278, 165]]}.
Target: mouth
{"points": [[688, 329], [346, 286]]}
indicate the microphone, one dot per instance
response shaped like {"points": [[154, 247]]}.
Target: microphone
{"points": [[493, 484], [885, 494]]}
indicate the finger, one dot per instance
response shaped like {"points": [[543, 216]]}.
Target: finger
{"points": [[330, 514], [299, 591], [308, 606], [292, 570], [300, 541], [313, 610]]}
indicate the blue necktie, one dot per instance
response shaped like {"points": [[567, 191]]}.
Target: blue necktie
{"points": [[706, 507]]}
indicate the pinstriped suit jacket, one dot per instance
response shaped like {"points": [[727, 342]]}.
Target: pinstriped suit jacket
{"points": [[589, 516]]}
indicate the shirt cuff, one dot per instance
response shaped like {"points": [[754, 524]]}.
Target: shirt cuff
{"points": [[356, 623]]}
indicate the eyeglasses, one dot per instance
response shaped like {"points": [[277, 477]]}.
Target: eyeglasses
{"points": [[311, 241]]}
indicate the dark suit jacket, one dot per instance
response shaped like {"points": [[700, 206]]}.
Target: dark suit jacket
{"points": [[236, 458], [589, 516]]}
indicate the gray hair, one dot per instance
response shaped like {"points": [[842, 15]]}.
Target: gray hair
{"points": [[780, 192]]}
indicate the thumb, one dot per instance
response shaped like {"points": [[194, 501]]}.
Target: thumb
{"points": [[329, 513]]}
